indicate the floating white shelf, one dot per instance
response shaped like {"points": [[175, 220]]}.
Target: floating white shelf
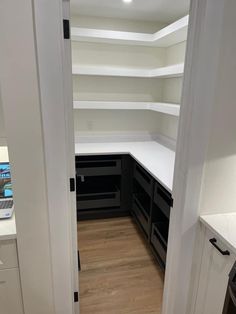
{"points": [[175, 70], [168, 36], [171, 109]]}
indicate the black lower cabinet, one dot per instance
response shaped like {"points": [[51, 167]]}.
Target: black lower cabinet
{"points": [[142, 198], [101, 186], [98, 192], [115, 186], [162, 203], [159, 240], [151, 210], [140, 216]]}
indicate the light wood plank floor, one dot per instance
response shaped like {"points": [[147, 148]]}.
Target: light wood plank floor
{"points": [[119, 275]]}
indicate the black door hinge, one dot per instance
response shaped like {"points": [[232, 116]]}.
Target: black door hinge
{"points": [[79, 264], [66, 29], [76, 296], [72, 184]]}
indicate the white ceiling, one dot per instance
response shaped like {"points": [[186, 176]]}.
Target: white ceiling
{"points": [[145, 10]]}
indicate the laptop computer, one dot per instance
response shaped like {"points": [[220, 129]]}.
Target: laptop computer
{"points": [[6, 200]]}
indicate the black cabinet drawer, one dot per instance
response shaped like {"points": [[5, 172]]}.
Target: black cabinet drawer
{"points": [[98, 200], [158, 244], [142, 197], [163, 199], [98, 166], [98, 192], [140, 215], [144, 179]]}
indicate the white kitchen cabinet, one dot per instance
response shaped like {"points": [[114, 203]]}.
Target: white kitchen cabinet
{"points": [[10, 287], [10, 292], [213, 278], [8, 254]]}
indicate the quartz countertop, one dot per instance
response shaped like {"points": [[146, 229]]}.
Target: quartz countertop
{"points": [[8, 228], [155, 158], [223, 226]]}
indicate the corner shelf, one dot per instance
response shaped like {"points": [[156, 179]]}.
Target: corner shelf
{"points": [[167, 108], [168, 36], [175, 70]]}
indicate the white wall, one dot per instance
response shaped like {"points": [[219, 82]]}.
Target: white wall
{"points": [[219, 182], [171, 93], [116, 120], [175, 54], [169, 126], [2, 126], [172, 90], [117, 55], [117, 89]]}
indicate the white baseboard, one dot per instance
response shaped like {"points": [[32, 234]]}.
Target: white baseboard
{"points": [[114, 137]]}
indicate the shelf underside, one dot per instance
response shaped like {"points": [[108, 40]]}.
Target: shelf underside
{"points": [[168, 36], [167, 108]]}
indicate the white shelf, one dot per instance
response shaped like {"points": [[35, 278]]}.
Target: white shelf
{"points": [[171, 109], [168, 36], [175, 70]]}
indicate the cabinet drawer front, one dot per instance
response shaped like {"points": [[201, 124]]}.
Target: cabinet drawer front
{"points": [[98, 167], [140, 216], [163, 199], [144, 179], [10, 292], [98, 200], [158, 245], [8, 254]]}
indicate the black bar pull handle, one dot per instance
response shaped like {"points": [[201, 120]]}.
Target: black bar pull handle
{"points": [[213, 242]]}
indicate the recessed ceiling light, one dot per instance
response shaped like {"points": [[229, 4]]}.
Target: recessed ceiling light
{"points": [[127, 1]]}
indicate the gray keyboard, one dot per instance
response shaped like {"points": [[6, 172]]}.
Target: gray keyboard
{"points": [[6, 204]]}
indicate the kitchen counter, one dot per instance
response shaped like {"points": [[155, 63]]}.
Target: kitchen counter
{"points": [[224, 227], [8, 228], [155, 158]]}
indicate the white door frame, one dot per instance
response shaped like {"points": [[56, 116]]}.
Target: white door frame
{"points": [[201, 73], [69, 115], [36, 99]]}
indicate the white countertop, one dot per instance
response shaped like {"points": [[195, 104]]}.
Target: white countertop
{"points": [[223, 226], [155, 158], [8, 228]]}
